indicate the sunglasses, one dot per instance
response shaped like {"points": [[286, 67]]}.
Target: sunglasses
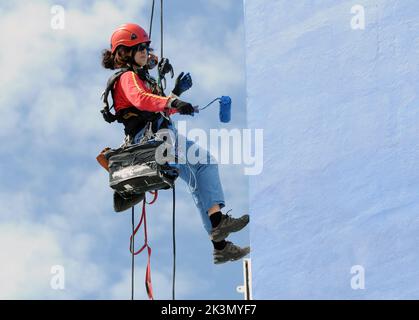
{"points": [[143, 46]]}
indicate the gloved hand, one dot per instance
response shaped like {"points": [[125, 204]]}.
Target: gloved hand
{"points": [[183, 83], [183, 107]]}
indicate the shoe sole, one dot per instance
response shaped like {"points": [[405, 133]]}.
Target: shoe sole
{"points": [[222, 236], [234, 259]]}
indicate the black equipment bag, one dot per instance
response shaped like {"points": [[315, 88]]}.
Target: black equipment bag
{"points": [[134, 169]]}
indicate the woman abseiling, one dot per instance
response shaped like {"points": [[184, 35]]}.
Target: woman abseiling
{"points": [[138, 100]]}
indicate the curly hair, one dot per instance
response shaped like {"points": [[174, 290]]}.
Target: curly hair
{"points": [[121, 58]]}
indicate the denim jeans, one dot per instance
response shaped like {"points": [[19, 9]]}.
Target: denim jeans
{"points": [[201, 176]]}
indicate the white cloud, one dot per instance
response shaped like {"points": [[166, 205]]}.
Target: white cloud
{"points": [[27, 253], [17, 206], [87, 205]]}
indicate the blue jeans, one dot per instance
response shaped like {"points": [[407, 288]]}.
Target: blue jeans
{"points": [[202, 178]]}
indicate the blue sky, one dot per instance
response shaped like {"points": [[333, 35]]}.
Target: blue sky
{"points": [[55, 203]]}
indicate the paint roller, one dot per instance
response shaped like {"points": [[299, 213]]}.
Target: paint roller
{"points": [[225, 108]]}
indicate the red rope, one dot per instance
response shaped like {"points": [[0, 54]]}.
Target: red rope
{"points": [[155, 193], [143, 218]]}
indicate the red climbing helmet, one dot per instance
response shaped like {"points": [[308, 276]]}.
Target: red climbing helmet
{"points": [[129, 34]]}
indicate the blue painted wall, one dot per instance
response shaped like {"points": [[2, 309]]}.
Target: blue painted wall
{"points": [[340, 185]]}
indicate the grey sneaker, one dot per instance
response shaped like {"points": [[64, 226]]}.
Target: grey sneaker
{"points": [[231, 252], [228, 225]]}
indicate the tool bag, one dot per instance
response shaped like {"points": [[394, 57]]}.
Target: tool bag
{"points": [[134, 169]]}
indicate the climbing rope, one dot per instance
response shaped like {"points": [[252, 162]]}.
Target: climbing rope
{"points": [[161, 28], [151, 21], [174, 243], [143, 218], [164, 66], [173, 185], [132, 254]]}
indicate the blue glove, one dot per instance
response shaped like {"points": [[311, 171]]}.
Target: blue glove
{"points": [[183, 83]]}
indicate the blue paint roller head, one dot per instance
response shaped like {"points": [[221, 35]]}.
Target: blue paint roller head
{"points": [[225, 109]]}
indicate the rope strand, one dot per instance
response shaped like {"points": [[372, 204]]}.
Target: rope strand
{"points": [[132, 255], [174, 244], [151, 20], [143, 215], [161, 27]]}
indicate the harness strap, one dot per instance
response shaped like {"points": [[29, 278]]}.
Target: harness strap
{"points": [[109, 86]]}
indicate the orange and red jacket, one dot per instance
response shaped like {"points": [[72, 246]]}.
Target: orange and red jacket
{"points": [[131, 91]]}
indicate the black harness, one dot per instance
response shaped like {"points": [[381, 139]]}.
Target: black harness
{"points": [[132, 118]]}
